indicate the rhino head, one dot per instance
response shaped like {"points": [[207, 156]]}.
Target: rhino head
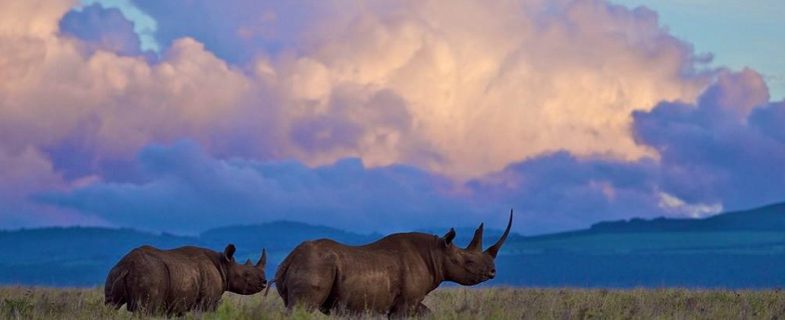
{"points": [[471, 265], [245, 278]]}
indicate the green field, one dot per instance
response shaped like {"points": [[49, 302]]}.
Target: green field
{"points": [[452, 303]]}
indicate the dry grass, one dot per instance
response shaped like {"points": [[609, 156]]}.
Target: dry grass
{"points": [[453, 303]]}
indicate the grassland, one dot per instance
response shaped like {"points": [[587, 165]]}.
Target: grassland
{"points": [[451, 303]]}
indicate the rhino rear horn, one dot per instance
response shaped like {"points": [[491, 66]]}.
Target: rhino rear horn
{"points": [[494, 249], [262, 259], [229, 252], [476, 244], [449, 237]]}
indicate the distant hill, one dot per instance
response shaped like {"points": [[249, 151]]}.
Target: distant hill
{"points": [[73, 256], [760, 230], [281, 235], [78, 256], [767, 218], [743, 249]]}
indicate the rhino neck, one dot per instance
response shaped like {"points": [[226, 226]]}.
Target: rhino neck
{"points": [[222, 270], [435, 263]]}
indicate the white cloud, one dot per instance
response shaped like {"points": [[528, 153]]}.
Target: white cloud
{"points": [[678, 207]]}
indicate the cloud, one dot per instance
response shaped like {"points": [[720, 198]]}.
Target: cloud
{"points": [[143, 24], [725, 148], [723, 152], [547, 77], [239, 32], [102, 28], [28, 172], [561, 191], [553, 107], [187, 191], [566, 79]]}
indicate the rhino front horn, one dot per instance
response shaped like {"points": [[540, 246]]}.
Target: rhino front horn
{"points": [[494, 249]]}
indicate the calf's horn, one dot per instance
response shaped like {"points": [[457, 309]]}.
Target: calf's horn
{"points": [[262, 259]]}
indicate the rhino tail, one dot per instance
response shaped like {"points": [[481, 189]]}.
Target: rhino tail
{"points": [[280, 277], [115, 294]]}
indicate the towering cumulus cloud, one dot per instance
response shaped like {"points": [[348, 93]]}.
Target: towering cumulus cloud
{"points": [[407, 111]]}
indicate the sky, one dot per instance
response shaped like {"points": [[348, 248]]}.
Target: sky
{"points": [[383, 116]]}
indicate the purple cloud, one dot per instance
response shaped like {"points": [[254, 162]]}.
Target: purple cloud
{"points": [[239, 31], [724, 152], [185, 190], [727, 148], [102, 28]]}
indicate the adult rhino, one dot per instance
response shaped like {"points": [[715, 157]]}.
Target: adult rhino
{"points": [[390, 276], [172, 282]]}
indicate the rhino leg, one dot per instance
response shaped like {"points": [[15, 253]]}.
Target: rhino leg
{"points": [[422, 310], [115, 301], [209, 305], [406, 310], [308, 282], [146, 297], [153, 304], [309, 296]]}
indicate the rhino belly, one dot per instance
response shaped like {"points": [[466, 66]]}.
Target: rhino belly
{"points": [[190, 288], [366, 290]]}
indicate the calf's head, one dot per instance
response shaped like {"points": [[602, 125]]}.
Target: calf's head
{"points": [[471, 265], [245, 278]]}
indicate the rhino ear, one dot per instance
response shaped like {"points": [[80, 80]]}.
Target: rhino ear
{"points": [[447, 239], [229, 252]]}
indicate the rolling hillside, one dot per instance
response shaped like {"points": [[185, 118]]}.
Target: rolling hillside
{"points": [[736, 249]]}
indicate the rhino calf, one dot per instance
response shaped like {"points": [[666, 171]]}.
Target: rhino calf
{"points": [[390, 276], [172, 282]]}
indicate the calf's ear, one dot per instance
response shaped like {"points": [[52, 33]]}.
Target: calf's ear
{"points": [[447, 239], [262, 259], [229, 252]]}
